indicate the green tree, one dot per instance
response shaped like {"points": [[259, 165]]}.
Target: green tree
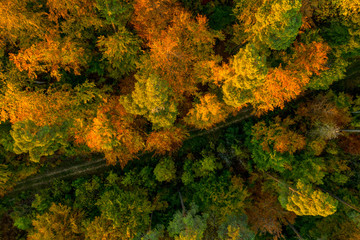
{"points": [[335, 72], [165, 170], [116, 13], [235, 228], [129, 211], [220, 195], [121, 50], [277, 23], [5, 174], [86, 194], [188, 226], [206, 165], [37, 141]]}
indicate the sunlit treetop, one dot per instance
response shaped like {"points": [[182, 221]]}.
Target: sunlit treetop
{"points": [[277, 23]]}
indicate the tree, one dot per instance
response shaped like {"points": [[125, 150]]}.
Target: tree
{"points": [[18, 23], [112, 132], [236, 228], [86, 194], [166, 140], [69, 9], [102, 228], [121, 50], [61, 222], [151, 17], [188, 226], [336, 71], [323, 109], [326, 115], [277, 23], [207, 113], [310, 58], [310, 169], [307, 201], [5, 175], [234, 96], [152, 99], [351, 144], [49, 56], [278, 136], [283, 84], [347, 8], [280, 86], [116, 13], [129, 211], [181, 53], [207, 165], [337, 226], [219, 195], [266, 214], [37, 141], [244, 13], [245, 72], [249, 68], [165, 170], [42, 108]]}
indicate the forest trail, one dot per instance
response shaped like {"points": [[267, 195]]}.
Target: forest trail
{"points": [[99, 165]]}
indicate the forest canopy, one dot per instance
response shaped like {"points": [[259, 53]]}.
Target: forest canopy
{"points": [[219, 119]]}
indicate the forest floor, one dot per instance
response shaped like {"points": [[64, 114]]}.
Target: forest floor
{"points": [[99, 165]]}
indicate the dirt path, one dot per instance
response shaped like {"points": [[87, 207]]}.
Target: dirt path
{"points": [[99, 165]]}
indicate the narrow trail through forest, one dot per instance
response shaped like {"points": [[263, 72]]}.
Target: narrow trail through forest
{"points": [[99, 165]]}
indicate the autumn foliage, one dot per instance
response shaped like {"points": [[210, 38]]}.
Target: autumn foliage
{"points": [[267, 215], [166, 141], [278, 136], [207, 113]]}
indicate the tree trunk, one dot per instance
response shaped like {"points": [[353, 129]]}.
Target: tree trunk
{"points": [[182, 205], [340, 200], [350, 130], [294, 229]]}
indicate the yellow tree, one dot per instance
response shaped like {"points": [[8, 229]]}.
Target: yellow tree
{"points": [[277, 23], [152, 98], [245, 72], [38, 141], [307, 201], [102, 228], [43, 108], [208, 112], [18, 24], [60, 222]]}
